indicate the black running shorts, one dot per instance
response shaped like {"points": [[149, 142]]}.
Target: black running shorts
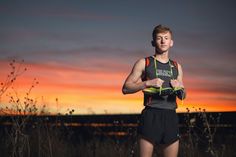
{"points": [[159, 126]]}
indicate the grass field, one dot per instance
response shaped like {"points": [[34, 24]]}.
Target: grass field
{"points": [[202, 135]]}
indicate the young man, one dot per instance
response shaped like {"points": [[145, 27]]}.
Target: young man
{"points": [[161, 81]]}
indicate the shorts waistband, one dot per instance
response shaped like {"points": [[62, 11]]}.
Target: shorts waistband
{"points": [[158, 109]]}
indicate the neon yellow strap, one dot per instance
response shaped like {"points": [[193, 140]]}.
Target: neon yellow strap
{"points": [[155, 90], [171, 71], [178, 88]]}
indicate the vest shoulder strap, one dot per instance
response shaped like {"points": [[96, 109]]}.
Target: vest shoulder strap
{"points": [[175, 64], [147, 61]]}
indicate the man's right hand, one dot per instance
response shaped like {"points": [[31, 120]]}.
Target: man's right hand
{"points": [[157, 82]]}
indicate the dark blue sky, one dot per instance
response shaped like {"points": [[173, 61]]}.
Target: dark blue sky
{"points": [[111, 35]]}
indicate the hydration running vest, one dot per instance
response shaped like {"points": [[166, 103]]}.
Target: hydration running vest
{"points": [[165, 71]]}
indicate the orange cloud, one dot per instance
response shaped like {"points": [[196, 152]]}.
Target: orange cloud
{"points": [[98, 92]]}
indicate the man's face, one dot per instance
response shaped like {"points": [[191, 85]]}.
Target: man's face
{"points": [[163, 42]]}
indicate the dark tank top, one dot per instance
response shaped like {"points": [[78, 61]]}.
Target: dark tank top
{"points": [[166, 72]]}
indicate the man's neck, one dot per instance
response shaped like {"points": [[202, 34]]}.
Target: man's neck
{"points": [[162, 57]]}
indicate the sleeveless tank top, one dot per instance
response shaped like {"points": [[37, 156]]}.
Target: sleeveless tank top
{"points": [[166, 72]]}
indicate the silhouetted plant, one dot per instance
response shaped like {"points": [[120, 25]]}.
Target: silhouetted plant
{"points": [[200, 133], [16, 70]]}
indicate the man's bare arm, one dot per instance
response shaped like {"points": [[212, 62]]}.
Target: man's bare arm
{"points": [[133, 82]]}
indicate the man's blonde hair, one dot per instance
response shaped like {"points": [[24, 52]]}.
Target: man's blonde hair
{"points": [[160, 29]]}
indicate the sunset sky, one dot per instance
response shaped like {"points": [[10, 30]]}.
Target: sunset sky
{"points": [[81, 51]]}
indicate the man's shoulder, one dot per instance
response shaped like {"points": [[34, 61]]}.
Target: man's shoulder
{"points": [[144, 61], [173, 61], [140, 61], [176, 64]]}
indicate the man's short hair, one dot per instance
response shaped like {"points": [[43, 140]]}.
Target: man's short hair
{"points": [[160, 29]]}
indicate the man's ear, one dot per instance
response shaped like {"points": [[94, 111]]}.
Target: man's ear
{"points": [[171, 43]]}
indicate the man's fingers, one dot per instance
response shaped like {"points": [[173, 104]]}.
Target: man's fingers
{"points": [[157, 82], [176, 83], [160, 80]]}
